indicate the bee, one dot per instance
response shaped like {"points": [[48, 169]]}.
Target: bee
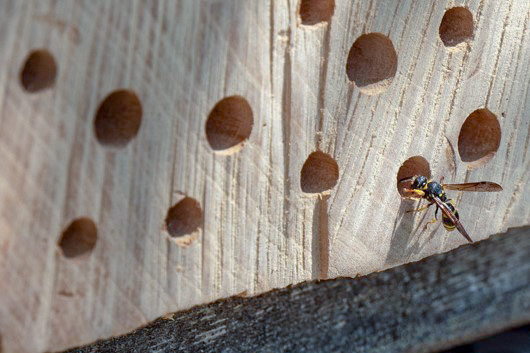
{"points": [[434, 193]]}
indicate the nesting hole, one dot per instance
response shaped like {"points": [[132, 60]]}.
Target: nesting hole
{"points": [[184, 217], [319, 173], [480, 137], [118, 118], [416, 165], [229, 124], [39, 71], [79, 239], [456, 26], [313, 12], [372, 63]]}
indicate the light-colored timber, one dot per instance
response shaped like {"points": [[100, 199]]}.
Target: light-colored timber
{"points": [[253, 226]]}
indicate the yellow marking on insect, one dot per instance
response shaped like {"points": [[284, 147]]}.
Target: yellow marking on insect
{"points": [[415, 191], [419, 192]]}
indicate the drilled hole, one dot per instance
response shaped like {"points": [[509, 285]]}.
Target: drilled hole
{"points": [[79, 239], [480, 137], [456, 26], [39, 71], [319, 173], [372, 63], [229, 124], [316, 11], [118, 118], [413, 166], [184, 217]]}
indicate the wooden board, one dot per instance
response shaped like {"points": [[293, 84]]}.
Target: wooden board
{"points": [[258, 229], [443, 301]]}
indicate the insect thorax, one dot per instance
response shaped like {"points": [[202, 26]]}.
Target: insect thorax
{"points": [[435, 189]]}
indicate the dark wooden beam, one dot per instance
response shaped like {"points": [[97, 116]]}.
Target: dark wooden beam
{"points": [[444, 300]]}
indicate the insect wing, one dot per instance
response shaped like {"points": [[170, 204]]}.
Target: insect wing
{"points": [[481, 186], [447, 212]]}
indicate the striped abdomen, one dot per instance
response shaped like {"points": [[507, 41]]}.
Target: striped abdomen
{"points": [[448, 224]]}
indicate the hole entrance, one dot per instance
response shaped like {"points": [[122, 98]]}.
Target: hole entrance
{"points": [[229, 124], [313, 12], [39, 71], [118, 118], [184, 217], [319, 173], [456, 26], [372, 63], [416, 165], [479, 138], [79, 239]]}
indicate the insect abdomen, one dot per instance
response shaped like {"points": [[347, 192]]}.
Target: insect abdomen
{"points": [[448, 224]]}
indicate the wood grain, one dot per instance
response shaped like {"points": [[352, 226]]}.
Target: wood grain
{"points": [[259, 229], [440, 302]]}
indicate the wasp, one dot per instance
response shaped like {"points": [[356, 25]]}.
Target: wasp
{"points": [[434, 193]]}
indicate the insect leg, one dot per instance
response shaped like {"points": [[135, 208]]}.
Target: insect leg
{"points": [[421, 208], [434, 219], [431, 221], [418, 192]]}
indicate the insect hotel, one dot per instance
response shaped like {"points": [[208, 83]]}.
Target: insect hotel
{"points": [[227, 175]]}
